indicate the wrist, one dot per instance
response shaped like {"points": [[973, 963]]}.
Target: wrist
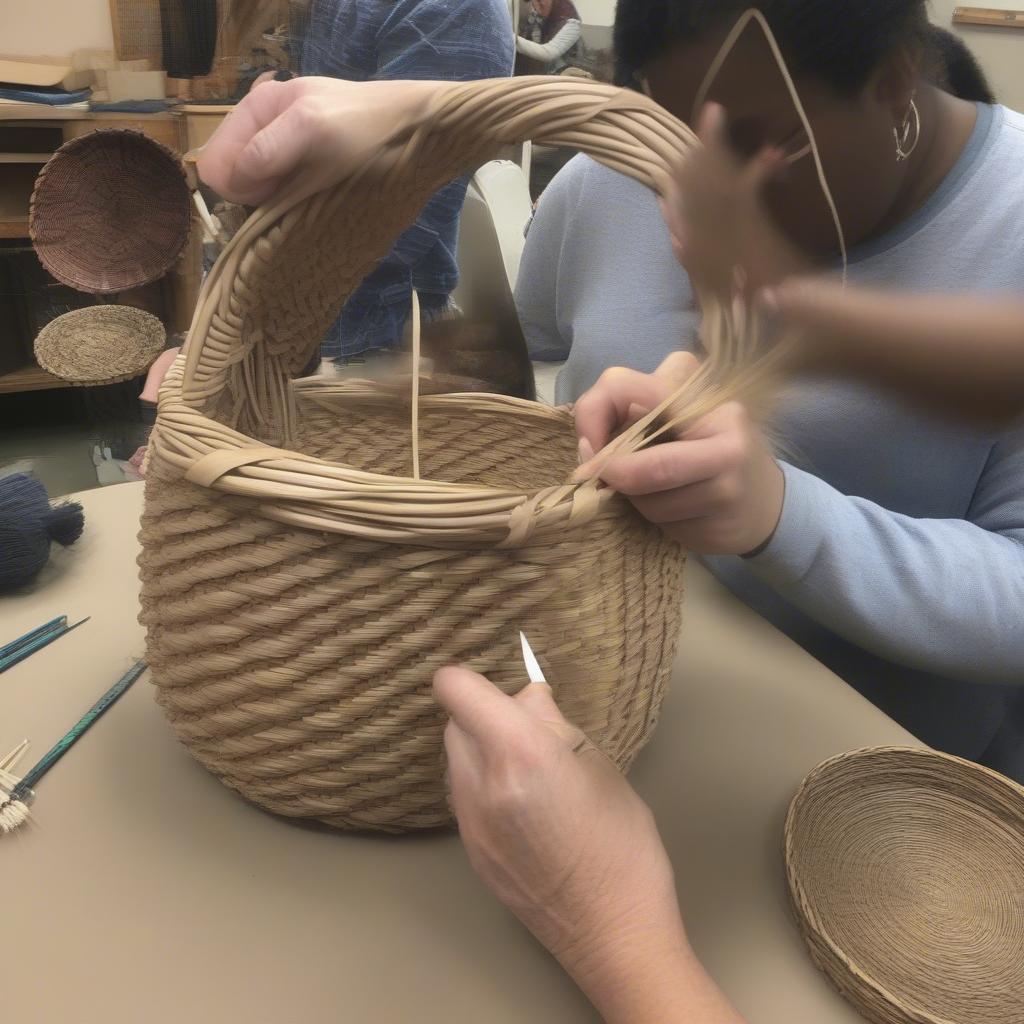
{"points": [[631, 967], [768, 515]]}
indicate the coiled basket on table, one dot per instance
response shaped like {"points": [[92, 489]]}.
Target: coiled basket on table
{"points": [[300, 586]]}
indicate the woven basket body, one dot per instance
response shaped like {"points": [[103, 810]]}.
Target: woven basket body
{"points": [[300, 587]]}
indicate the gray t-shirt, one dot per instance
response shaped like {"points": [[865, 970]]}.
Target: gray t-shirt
{"points": [[899, 558]]}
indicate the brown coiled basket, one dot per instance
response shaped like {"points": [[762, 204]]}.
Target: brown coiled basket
{"points": [[300, 586], [906, 874], [110, 211]]}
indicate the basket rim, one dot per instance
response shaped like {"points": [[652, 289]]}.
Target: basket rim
{"points": [[806, 916], [339, 498]]}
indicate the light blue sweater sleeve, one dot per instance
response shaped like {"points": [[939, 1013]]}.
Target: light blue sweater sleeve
{"points": [[942, 595]]}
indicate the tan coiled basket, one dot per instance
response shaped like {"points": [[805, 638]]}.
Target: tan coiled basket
{"points": [[300, 587]]}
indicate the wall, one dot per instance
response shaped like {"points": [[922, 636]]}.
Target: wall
{"points": [[999, 50], [596, 12], [53, 28], [56, 27]]}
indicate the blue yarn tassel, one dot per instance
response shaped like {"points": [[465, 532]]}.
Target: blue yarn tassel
{"points": [[28, 525]]}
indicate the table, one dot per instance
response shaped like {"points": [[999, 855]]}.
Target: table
{"points": [[148, 891]]}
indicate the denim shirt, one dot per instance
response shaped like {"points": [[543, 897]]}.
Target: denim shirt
{"points": [[364, 40]]}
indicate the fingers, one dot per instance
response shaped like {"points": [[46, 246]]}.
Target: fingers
{"points": [[218, 157], [538, 701], [716, 445], [605, 407], [697, 501], [808, 302], [622, 396], [665, 467], [224, 163], [711, 127], [273, 153], [475, 704], [677, 369], [481, 711]]}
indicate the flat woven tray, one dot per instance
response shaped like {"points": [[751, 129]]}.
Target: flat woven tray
{"points": [[100, 344], [110, 211], [906, 872]]}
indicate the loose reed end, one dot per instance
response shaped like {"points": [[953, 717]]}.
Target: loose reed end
{"points": [[12, 816]]}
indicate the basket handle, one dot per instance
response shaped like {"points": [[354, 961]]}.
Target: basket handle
{"points": [[285, 276]]}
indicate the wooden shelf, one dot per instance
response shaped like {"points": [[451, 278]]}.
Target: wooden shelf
{"points": [[14, 227], [29, 378], [24, 158], [990, 16], [43, 112], [17, 181]]}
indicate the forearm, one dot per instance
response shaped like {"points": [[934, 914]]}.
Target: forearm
{"points": [[963, 355], [563, 41], [938, 595], [648, 976]]}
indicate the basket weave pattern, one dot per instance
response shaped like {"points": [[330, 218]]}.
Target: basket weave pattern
{"points": [[100, 344], [906, 871], [110, 211], [300, 588]]}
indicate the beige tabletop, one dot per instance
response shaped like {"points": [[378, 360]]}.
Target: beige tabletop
{"points": [[146, 891]]}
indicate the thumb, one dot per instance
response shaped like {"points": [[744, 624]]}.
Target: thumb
{"points": [[474, 703], [677, 369], [538, 701]]}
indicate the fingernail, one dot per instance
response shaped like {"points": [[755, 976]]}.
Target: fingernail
{"points": [[585, 450]]}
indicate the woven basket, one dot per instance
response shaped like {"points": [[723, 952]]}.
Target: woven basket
{"points": [[100, 344], [906, 871], [111, 210], [300, 587]]}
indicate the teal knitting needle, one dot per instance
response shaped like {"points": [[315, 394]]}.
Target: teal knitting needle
{"points": [[15, 810], [36, 641], [47, 627]]}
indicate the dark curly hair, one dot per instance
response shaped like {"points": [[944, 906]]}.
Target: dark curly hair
{"points": [[839, 42], [952, 67]]}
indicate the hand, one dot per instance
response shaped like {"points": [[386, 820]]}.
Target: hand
{"points": [[956, 355], [321, 127], [561, 838], [157, 372], [717, 489], [721, 230], [138, 461]]}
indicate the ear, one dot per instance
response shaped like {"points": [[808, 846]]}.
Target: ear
{"points": [[895, 81]]}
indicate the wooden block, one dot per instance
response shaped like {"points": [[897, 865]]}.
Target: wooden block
{"points": [[136, 85], [164, 128], [29, 378], [199, 128], [16, 184], [990, 16], [37, 75]]}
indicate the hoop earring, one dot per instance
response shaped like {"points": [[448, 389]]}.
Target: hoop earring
{"points": [[909, 135]]}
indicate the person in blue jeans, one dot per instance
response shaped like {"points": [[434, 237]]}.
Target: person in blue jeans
{"points": [[371, 40]]}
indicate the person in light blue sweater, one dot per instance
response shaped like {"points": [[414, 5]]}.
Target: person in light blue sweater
{"points": [[548, 823], [890, 544]]}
